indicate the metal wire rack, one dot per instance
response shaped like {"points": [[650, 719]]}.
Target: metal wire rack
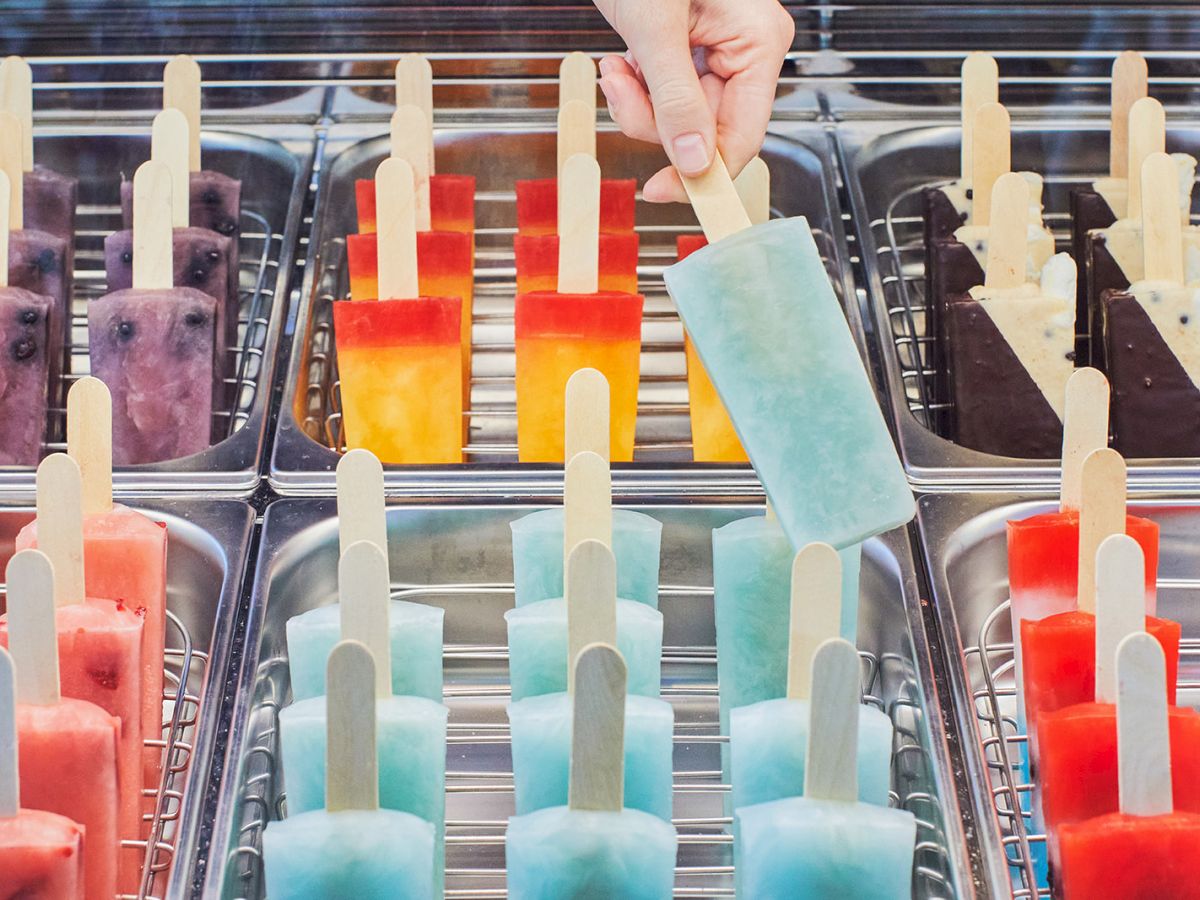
{"points": [[990, 665], [259, 266], [663, 426], [479, 765]]}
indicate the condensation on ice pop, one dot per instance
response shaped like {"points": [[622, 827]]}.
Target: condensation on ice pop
{"points": [[68, 755], [767, 325], [41, 853], [351, 847]]}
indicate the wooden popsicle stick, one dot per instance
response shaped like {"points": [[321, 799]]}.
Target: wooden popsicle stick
{"points": [[577, 80], [351, 760], [1101, 514], [597, 780], [1085, 428], [816, 613], [576, 134], [153, 253], [169, 145], [587, 502], [579, 226], [980, 85], [364, 595], [60, 525], [1008, 232], [1143, 733], [411, 140], [830, 772], [1162, 234], [769, 511], [396, 227], [591, 594], [362, 512], [32, 634], [414, 87], [753, 185], [1129, 79], [1147, 134], [991, 158], [11, 144], [587, 414], [715, 201], [181, 91], [16, 97], [5, 188], [89, 441], [10, 782], [1120, 606]]}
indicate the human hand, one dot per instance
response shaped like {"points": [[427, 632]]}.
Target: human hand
{"points": [[699, 75]]}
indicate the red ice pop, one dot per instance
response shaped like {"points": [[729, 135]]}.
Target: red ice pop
{"points": [[1147, 850], [68, 755]]}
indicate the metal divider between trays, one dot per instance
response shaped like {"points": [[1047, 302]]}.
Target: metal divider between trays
{"points": [[886, 675]]}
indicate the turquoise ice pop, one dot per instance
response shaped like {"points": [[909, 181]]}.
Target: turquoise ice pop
{"points": [[592, 847], [762, 314], [414, 629], [826, 843], [410, 731], [538, 641], [541, 725], [351, 847], [543, 540], [768, 740]]}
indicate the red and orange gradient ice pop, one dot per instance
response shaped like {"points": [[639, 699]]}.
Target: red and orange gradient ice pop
{"points": [[576, 327], [399, 349], [538, 206]]}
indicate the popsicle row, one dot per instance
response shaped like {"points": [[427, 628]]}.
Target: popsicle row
{"points": [[86, 630], [161, 339], [1010, 320], [1083, 588], [577, 302]]}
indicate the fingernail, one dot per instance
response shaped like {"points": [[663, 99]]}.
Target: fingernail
{"points": [[691, 153], [608, 96], [605, 66]]}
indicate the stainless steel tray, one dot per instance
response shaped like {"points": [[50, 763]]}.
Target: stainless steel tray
{"points": [[459, 558], [966, 551], [308, 440], [273, 163], [887, 165], [207, 548]]}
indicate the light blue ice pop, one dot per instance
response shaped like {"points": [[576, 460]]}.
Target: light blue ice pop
{"points": [[415, 629], [592, 848], [351, 847], [539, 638], [768, 740], [826, 843], [411, 731], [762, 314]]}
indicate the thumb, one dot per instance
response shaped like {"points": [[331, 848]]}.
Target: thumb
{"points": [[685, 121]]}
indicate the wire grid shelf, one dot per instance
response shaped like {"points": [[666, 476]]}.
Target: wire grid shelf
{"points": [[259, 250], [991, 668], [479, 765], [663, 425]]}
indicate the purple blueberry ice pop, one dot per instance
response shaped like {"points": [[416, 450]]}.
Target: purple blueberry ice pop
{"points": [[24, 374]]}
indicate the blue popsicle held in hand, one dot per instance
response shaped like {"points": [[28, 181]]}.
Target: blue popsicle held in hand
{"points": [[762, 314], [593, 847], [541, 725], [541, 540], [851, 850], [351, 848], [414, 629], [768, 740], [537, 632]]}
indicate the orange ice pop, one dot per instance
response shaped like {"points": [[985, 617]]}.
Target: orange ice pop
{"points": [[400, 357], [576, 327], [67, 748]]}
